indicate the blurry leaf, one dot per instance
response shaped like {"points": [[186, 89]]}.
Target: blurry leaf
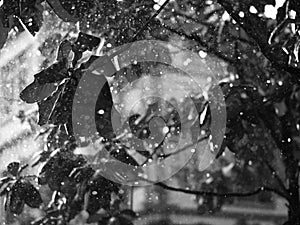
{"points": [[129, 213], [119, 220]]}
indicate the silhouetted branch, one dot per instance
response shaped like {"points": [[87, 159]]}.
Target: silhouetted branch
{"points": [[256, 28], [184, 148], [217, 194]]}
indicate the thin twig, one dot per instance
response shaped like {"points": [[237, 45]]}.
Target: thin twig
{"points": [[217, 194], [184, 148]]}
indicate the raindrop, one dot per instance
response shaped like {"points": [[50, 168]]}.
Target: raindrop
{"points": [[253, 9], [101, 112], [202, 54]]}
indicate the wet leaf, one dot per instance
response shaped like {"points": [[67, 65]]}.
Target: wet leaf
{"points": [[45, 83], [32, 196], [62, 109], [15, 198], [46, 106], [36, 92], [85, 42]]}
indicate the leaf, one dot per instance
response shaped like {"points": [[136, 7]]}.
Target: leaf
{"points": [[36, 92], [83, 43], [55, 73], [15, 199], [31, 15], [15, 204], [62, 109], [45, 83], [123, 156], [32, 196], [46, 106], [58, 168], [13, 168]]}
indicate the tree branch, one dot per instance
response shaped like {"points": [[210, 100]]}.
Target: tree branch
{"points": [[256, 28], [217, 194], [274, 173], [184, 148]]}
